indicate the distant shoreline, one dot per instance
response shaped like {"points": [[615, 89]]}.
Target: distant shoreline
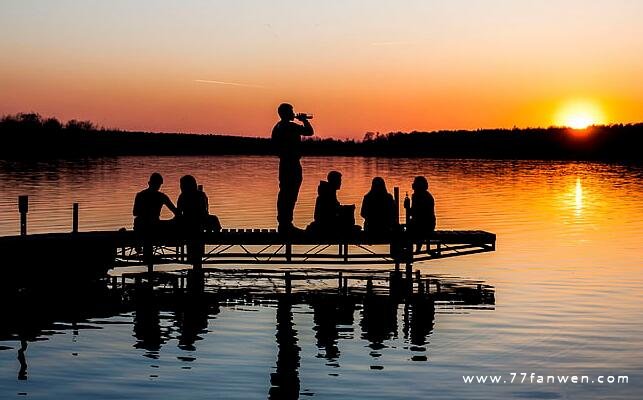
{"points": [[29, 136]]}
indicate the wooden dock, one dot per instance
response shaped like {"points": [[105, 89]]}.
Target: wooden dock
{"points": [[82, 255]]}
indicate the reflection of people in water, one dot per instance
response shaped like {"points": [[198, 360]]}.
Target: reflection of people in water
{"points": [[22, 373], [193, 322], [193, 213], [331, 217], [422, 212], [419, 314], [379, 321], [286, 138], [378, 209], [285, 380], [147, 326], [148, 204], [328, 313]]}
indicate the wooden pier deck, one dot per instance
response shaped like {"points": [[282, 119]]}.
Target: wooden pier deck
{"points": [[263, 246], [89, 255], [246, 246]]}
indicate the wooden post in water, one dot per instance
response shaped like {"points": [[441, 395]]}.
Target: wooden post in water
{"points": [[345, 252], [396, 196], [289, 252], [369, 286], [288, 282], [340, 282], [23, 208], [74, 219]]}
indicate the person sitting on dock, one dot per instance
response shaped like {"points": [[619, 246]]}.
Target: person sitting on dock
{"points": [[330, 216], [422, 211], [192, 204], [148, 204], [378, 209]]}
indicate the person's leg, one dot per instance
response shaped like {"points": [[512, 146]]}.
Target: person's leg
{"points": [[289, 183]]}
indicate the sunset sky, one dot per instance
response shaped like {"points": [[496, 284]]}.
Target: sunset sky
{"points": [[224, 66]]}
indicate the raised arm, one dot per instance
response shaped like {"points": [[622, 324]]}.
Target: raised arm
{"points": [[307, 128]]}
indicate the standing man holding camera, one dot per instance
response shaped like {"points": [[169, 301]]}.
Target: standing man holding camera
{"points": [[286, 138]]}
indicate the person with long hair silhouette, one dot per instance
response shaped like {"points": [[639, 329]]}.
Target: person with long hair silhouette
{"points": [[378, 209], [286, 138], [193, 206]]}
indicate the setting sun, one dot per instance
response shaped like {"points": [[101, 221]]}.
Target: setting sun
{"points": [[579, 115]]}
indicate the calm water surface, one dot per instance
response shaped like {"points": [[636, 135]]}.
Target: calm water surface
{"points": [[567, 275]]}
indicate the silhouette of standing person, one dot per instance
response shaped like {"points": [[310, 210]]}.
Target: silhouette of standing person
{"points": [[378, 209], [148, 204], [286, 138]]}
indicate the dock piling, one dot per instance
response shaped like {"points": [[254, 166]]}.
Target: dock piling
{"points": [[396, 196], [74, 220], [23, 208], [288, 282]]}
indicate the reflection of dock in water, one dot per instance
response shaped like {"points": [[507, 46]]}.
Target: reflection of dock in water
{"points": [[359, 306]]}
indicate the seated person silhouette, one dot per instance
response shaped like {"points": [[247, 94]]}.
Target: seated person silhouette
{"points": [[422, 211], [332, 218], [192, 204], [148, 204], [378, 210]]}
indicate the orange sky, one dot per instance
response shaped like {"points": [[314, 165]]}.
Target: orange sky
{"points": [[359, 66]]}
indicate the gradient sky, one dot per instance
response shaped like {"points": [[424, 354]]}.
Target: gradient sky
{"points": [[224, 66]]}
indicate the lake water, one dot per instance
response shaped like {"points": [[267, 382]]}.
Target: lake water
{"points": [[567, 275]]}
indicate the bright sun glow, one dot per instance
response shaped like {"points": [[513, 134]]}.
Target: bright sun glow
{"points": [[579, 115]]}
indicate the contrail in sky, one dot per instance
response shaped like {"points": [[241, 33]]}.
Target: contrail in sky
{"points": [[391, 43], [229, 83]]}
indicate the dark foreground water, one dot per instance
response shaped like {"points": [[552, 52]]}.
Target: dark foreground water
{"points": [[567, 275]]}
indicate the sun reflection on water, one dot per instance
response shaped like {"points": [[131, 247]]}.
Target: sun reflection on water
{"points": [[578, 197]]}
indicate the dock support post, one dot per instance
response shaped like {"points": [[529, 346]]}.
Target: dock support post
{"points": [[74, 219], [339, 285], [369, 286], [288, 252], [288, 282], [345, 288], [409, 277], [396, 196], [23, 207]]}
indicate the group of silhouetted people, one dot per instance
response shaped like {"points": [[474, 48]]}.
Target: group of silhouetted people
{"points": [[378, 210], [330, 217], [191, 214]]}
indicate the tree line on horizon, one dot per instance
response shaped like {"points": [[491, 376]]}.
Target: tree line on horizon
{"points": [[30, 136]]}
